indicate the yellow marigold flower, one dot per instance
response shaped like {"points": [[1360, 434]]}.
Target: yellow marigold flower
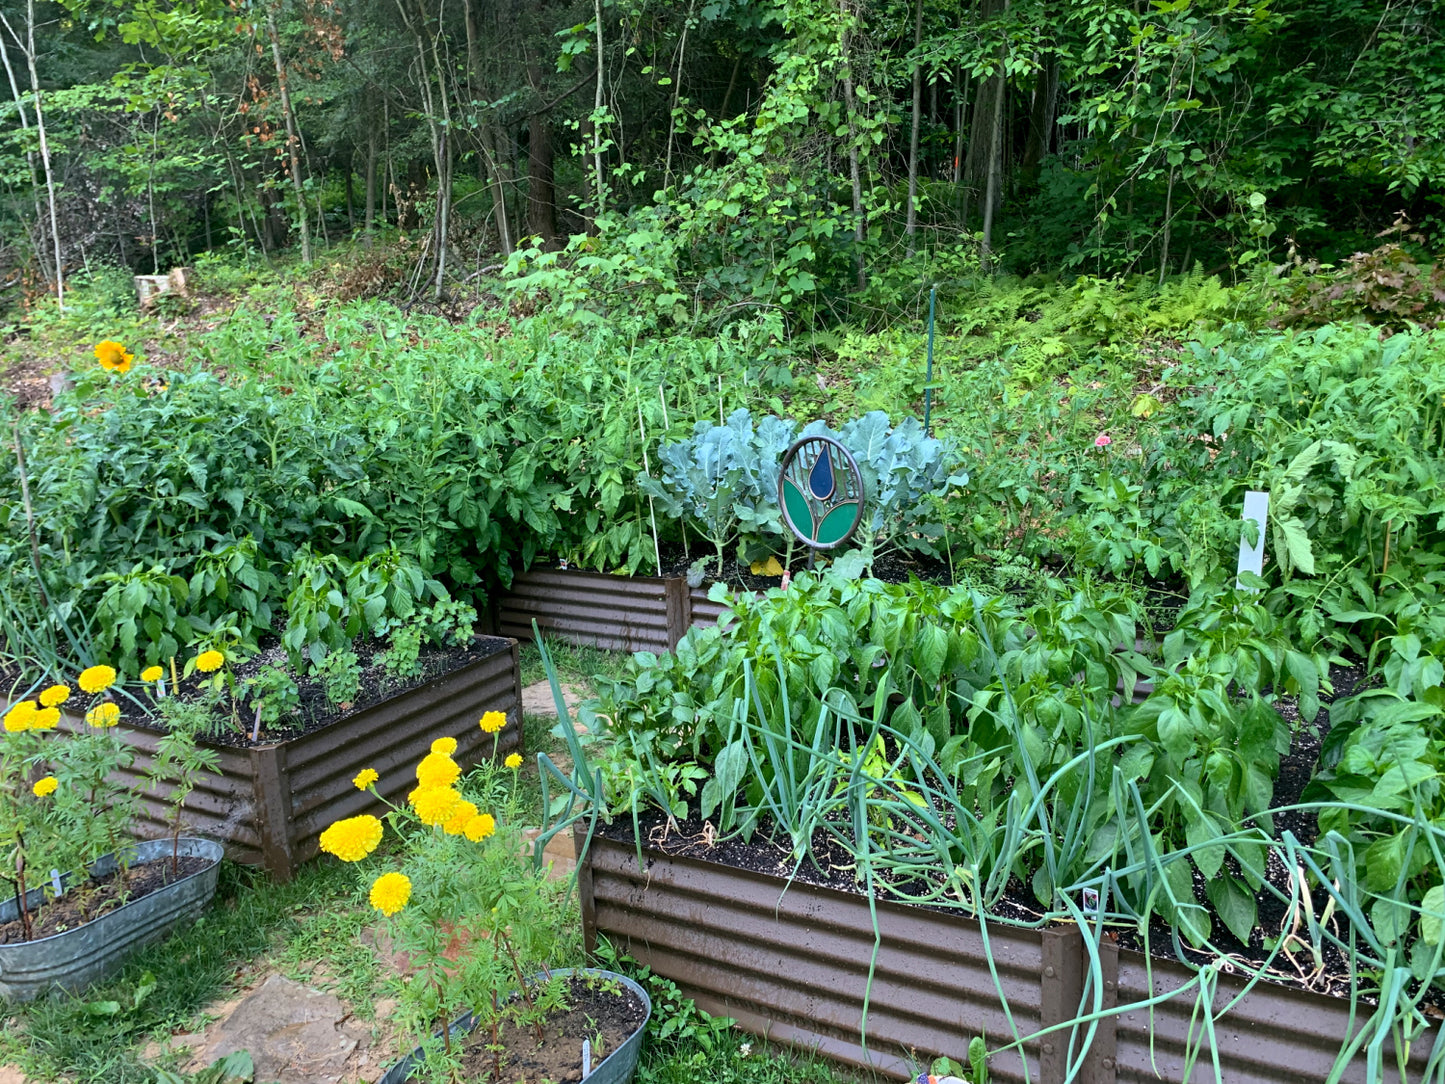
{"points": [[389, 892], [151, 673], [103, 715], [44, 786], [45, 719], [480, 827], [55, 695], [437, 770], [96, 679], [20, 716], [365, 778], [113, 356], [434, 805], [461, 813], [514, 761], [445, 746], [209, 661], [493, 721], [352, 839]]}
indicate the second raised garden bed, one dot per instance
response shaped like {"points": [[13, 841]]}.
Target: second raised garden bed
{"points": [[790, 962], [271, 802]]}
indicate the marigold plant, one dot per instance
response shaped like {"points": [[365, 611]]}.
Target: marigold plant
{"points": [[461, 900]]}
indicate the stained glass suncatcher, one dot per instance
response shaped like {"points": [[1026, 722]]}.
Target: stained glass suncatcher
{"points": [[820, 492]]}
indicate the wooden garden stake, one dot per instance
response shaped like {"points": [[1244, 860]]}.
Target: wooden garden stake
{"points": [[642, 428]]}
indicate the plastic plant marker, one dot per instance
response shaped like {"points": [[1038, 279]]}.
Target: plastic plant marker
{"points": [[1251, 558]]}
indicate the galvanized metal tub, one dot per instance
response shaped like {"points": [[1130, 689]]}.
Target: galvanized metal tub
{"points": [[76, 958], [617, 1068]]}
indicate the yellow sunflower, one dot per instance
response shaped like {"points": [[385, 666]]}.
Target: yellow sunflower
{"points": [[96, 679], [55, 695], [44, 787], [365, 778], [389, 892], [437, 770], [493, 721], [445, 746], [103, 715], [113, 356], [352, 839], [20, 716]]}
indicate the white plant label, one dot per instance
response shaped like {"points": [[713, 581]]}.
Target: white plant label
{"points": [[1251, 558]]}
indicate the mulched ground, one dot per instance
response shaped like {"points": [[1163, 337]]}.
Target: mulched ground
{"points": [[605, 1013], [100, 896]]}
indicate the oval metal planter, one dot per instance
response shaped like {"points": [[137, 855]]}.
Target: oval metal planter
{"points": [[75, 958], [616, 1068]]}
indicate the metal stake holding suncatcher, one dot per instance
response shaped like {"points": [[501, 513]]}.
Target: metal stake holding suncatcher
{"points": [[928, 373]]}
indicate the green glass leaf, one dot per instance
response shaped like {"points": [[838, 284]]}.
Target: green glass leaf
{"points": [[837, 523], [799, 512]]}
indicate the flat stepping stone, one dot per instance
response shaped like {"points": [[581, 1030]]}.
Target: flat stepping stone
{"points": [[294, 1034], [537, 700]]}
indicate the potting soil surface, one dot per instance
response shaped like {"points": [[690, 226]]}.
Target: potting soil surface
{"points": [[602, 1012], [99, 896]]}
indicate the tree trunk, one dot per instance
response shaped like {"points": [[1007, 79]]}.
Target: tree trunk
{"points": [[28, 48], [911, 226], [994, 188], [38, 241], [350, 200], [597, 116], [293, 141], [499, 189], [1041, 117], [370, 186], [541, 192], [860, 224]]}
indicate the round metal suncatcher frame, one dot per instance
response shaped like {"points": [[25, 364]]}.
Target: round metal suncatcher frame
{"points": [[820, 480]]}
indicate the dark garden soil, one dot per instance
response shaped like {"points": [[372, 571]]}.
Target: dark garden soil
{"points": [[317, 709], [100, 896], [602, 1012], [833, 866]]}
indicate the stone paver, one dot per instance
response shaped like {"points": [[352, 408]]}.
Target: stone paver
{"points": [[294, 1034], [537, 699], [11, 1075]]}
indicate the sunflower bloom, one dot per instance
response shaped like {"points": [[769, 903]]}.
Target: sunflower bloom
{"points": [[480, 827], [365, 778], [151, 673], [434, 805], [45, 719], [44, 787], [437, 770], [352, 839], [514, 761], [54, 696], [389, 892], [103, 715], [96, 679], [461, 815], [209, 661], [445, 746], [113, 356], [493, 721], [20, 716]]}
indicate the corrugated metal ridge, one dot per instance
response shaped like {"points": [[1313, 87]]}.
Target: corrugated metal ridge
{"points": [[1277, 1033], [605, 580], [796, 967], [318, 755]]}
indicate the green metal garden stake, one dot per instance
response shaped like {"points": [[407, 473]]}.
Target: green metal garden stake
{"points": [[928, 376]]}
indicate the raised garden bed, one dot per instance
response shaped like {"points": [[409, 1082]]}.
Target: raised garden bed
{"points": [[271, 801], [627, 613], [790, 962]]}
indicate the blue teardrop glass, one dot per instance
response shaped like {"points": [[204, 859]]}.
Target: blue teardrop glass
{"points": [[820, 478]]}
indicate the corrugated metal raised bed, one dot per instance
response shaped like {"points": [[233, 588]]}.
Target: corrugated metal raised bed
{"points": [[628, 613], [791, 963], [270, 803]]}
